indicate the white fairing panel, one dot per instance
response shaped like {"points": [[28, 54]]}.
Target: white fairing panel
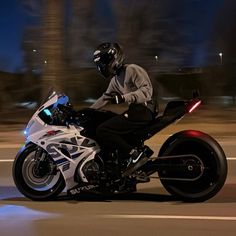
{"points": [[65, 144]]}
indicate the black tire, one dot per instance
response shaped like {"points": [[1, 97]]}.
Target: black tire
{"points": [[211, 155], [33, 187]]}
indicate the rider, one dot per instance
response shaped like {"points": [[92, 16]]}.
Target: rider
{"points": [[129, 83]]}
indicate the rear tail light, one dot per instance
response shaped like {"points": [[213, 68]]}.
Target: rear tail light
{"points": [[194, 105]]}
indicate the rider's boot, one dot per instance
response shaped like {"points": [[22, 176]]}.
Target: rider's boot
{"points": [[137, 159]]}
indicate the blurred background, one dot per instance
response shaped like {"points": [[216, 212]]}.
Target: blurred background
{"points": [[183, 44]]}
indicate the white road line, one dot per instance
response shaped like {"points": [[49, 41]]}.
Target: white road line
{"points": [[5, 146], [172, 217], [6, 160]]}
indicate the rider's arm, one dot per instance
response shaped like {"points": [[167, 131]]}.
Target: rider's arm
{"points": [[140, 79], [101, 102]]}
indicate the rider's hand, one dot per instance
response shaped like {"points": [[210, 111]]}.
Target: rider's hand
{"points": [[115, 97]]}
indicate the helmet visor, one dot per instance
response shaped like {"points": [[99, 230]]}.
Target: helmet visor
{"points": [[100, 57], [103, 62]]}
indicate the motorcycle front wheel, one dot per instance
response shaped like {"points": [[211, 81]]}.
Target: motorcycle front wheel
{"points": [[34, 181], [212, 162]]}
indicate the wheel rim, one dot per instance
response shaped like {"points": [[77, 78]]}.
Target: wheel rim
{"points": [[34, 181]]}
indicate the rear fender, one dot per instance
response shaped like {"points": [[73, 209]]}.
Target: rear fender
{"points": [[175, 139]]}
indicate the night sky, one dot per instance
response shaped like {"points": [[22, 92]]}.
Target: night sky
{"points": [[198, 26], [12, 23], [198, 19]]}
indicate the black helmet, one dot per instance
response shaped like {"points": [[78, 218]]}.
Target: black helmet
{"points": [[109, 58]]}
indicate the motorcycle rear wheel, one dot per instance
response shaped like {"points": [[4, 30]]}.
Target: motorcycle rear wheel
{"points": [[34, 186], [212, 158]]}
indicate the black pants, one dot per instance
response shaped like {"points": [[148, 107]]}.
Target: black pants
{"points": [[110, 133]]}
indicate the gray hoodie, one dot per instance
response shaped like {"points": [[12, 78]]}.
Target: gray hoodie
{"points": [[134, 84]]}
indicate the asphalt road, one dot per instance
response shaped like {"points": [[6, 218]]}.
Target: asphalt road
{"points": [[150, 211]]}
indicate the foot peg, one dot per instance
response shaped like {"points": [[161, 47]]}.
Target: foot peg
{"points": [[142, 178]]}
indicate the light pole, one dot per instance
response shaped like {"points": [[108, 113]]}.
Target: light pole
{"points": [[221, 55]]}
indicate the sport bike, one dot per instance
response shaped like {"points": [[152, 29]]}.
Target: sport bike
{"points": [[61, 155]]}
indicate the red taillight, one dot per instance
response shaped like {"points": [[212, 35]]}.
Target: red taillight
{"points": [[194, 106]]}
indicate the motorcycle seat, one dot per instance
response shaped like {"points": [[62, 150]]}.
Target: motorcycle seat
{"points": [[173, 111]]}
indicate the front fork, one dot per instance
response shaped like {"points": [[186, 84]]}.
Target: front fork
{"points": [[44, 164]]}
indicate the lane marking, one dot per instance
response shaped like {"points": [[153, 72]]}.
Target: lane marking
{"points": [[6, 160], [172, 217], [6, 146]]}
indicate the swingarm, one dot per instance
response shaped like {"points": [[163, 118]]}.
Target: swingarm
{"points": [[186, 167]]}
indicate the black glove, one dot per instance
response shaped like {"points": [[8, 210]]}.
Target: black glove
{"points": [[114, 97]]}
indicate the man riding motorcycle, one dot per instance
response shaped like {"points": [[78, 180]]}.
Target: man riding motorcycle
{"points": [[129, 83]]}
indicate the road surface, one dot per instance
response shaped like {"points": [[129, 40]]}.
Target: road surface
{"points": [[150, 211]]}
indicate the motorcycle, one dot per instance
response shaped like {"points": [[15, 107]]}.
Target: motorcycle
{"points": [[61, 154]]}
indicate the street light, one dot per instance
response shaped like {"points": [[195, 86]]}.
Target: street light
{"points": [[221, 55], [156, 58]]}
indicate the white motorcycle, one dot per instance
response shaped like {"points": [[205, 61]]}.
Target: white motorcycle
{"points": [[61, 152]]}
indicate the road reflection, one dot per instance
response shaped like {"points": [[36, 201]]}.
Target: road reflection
{"points": [[23, 213]]}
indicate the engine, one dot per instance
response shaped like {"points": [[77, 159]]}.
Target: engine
{"points": [[91, 171]]}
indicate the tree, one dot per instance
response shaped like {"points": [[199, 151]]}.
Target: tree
{"points": [[50, 44], [53, 45]]}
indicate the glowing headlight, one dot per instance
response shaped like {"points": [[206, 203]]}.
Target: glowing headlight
{"points": [[47, 112]]}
